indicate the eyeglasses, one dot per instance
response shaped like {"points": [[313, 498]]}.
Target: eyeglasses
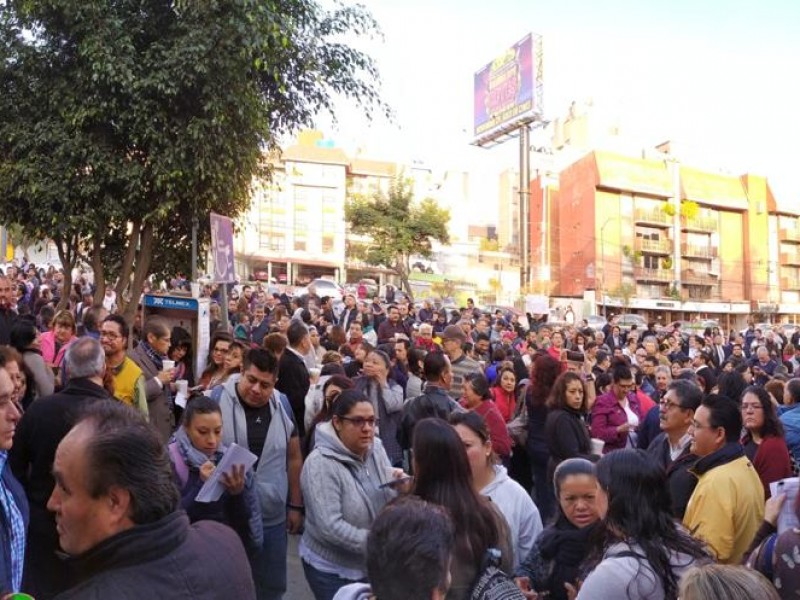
{"points": [[110, 335], [667, 404], [754, 406], [359, 422]]}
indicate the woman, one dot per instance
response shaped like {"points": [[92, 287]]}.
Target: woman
{"points": [[566, 429], [640, 551], [726, 582], [26, 339], [769, 545], [504, 392], [443, 476], [492, 480], [416, 377], [196, 451], [15, 367], [477, 397], [336, 337], [56, 341], [561, 548], [330, 388], [387, 400], [544, 372], [763, 441], [180, 352], [616, 415], [215, 363], [343, 487]]}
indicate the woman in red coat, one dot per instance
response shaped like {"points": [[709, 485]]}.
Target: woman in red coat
{"points": [[764, 442], [477, 397], [504, 392]]}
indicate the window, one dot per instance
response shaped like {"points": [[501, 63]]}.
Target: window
{"points": [[327, 243]]}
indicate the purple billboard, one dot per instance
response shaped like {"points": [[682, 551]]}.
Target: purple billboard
{"points": [[508, 89]]}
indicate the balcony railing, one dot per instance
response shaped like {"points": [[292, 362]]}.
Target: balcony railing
{"points": [[701, 223], [652, 217], [694, 251], [663, 246], [791, 283], [790, 234], [658, 275], [689, 277], [790, 258]]}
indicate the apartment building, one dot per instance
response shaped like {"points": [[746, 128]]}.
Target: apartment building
{"points": [[654, 236]]}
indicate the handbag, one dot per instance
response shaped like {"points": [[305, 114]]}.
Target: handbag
{"points": [[518, 426], [493, 583]]}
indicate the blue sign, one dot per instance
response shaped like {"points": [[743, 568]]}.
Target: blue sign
{"points": [[171, 302]]}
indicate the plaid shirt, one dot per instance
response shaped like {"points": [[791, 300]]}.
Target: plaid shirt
{"points": [[16, 528]]}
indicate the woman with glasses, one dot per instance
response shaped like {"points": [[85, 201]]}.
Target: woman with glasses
{"points": [[344, 483], [763, 441], [215, 363]]}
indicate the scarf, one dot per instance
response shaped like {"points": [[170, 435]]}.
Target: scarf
{"points": [[15, 526], [565, 547], [193, 457], [158, 359]]}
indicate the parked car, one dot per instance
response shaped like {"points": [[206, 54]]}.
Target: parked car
{"points": [[596, 322], [324, 287], [626, 321]]}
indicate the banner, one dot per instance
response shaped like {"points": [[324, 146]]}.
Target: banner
{"points": [[222, 249]]}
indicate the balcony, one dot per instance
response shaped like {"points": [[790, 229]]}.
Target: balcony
{"points": [[652, 275], [791, 283], [662, 246], [693, 251], [690, 277], [652, 217], [790, 235], [791, 259], [701, 223]]}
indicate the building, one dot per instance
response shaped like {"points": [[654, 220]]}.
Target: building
{"points": [[648, 234]]}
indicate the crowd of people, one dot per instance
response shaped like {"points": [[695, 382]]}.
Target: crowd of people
{"points": [[418, 452]]}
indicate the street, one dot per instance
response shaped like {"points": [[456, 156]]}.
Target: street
{"points": [[297, 588]]}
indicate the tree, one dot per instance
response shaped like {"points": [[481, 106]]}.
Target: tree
{"points": [[625, 292], [396, 228], [122, 121]]}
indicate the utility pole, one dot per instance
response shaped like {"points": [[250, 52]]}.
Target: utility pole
{"points": [[524, 207]]}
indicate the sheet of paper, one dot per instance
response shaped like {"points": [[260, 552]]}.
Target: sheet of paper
{"points": [[180, 399], [235, 455], [787, 518]]}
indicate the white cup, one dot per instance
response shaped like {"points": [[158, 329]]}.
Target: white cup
{"points": [[597, 446], [195, 287], [183, 386], [314, 372], [168, 364]]}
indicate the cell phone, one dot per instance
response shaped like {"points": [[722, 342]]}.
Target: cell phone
{"points": [[395, 482]]}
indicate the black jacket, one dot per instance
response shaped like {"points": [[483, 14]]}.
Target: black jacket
{"points": [[31, 458], [293, 380], [166, 559], [567, 437], [435, 402], [680, 480]]}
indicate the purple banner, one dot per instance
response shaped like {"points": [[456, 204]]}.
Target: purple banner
{"points": [[222, 249], [505, 89]]}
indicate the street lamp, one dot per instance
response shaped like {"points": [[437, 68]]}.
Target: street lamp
{"points": [[603, 261]]}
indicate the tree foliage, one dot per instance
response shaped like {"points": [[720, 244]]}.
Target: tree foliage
{"points": [[396, 227], [122, 120]]}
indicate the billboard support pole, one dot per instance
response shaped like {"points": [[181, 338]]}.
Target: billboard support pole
{"points": [[524, 207]]}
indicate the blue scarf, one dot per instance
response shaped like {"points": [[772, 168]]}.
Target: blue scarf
{"points": [[193, 457], [16, 528], [158, 359]]}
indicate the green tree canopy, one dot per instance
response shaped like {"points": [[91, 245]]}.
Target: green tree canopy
{"points": [[395, 228], [122, 120]]}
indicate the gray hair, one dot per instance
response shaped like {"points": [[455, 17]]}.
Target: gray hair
{"points": [[664, 369], [85, 358]]}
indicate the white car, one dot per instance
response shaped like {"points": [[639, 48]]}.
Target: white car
{"points": [[324, 287]]}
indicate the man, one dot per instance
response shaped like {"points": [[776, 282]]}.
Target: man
{"points": [[129, 385], [260, 326], [424, 339], [718, 354], [120, 523], [255, 416], [482, 348], [7, 313], [671, 449], [737, 356], [40, 431], [350, 312], [355, 335], [419, 532], [149, 356], [727, 506], [649, 386], [293, 377], [399, 371], [434, 402], [14, 512], [92, 319], [392, 327], [453, 337], [762, 365], [790, 416]]}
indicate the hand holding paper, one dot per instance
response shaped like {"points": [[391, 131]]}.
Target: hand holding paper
{"points": [[236, 460]]}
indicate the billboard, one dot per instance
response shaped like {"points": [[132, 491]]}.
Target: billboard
{"points": [[508, 90], [222, 249]]}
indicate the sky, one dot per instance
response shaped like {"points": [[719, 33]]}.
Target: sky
{"points": [[721, 77]]}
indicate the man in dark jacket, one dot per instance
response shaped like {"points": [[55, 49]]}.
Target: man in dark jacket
{"points": [[7, 314], [38, 434], [293, 377], [671, 448], [116, 506]]}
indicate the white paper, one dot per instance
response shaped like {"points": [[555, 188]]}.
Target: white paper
{"points": [[235, 455], [180, 399], [787, 518]]}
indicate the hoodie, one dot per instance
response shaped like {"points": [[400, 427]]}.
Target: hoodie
{"points": [[343, 496], [354, 591], [521, 514]]}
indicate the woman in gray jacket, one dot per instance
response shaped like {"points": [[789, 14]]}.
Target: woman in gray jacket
{"points": [[344, 485]]}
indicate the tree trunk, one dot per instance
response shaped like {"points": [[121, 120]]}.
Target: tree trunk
{"points": [[143, 261], [99, 273], [67, 257]]}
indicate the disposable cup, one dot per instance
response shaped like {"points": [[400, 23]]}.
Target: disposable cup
{"points": [[597, 446], [168, 364]]}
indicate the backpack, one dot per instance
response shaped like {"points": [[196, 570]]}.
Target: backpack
{"points": [[492, 583]]}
